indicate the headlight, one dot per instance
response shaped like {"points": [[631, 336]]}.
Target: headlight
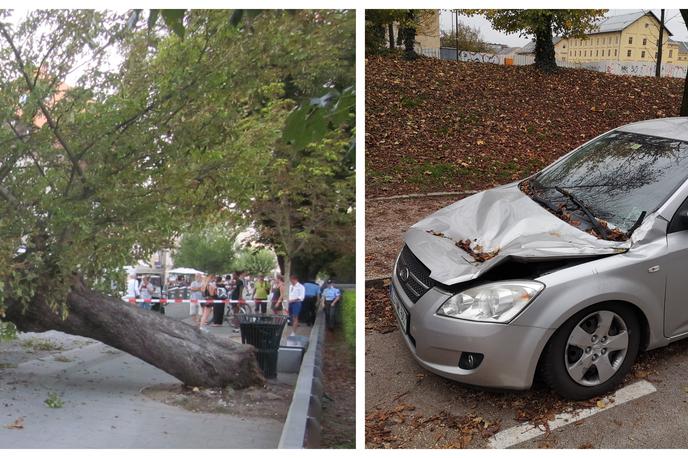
{"points": [[493, 302]]}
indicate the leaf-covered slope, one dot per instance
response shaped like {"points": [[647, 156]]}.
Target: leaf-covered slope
{"points": [[435, 125]]}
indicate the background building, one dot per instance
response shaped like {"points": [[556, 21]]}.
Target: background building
{"points": [[629, 37]]}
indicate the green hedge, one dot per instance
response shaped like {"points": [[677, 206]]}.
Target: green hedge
{"points": [[349, 317]]}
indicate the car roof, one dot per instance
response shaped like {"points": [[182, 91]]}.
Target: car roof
{"points": [[674, 128]]}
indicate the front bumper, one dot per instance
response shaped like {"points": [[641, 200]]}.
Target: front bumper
{"points": [[510, 352]]}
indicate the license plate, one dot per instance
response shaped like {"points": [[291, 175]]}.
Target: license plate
{"points": [[400, 311]]}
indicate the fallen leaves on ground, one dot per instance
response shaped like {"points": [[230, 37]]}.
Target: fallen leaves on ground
{"points": [[391, 428], [434, 125], [379, 423], [378, 309]]}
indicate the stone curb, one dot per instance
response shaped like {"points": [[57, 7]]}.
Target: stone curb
{"points": [[302, 427]]}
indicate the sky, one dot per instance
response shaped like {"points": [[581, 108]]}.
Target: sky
{"points": [[674, 23]]}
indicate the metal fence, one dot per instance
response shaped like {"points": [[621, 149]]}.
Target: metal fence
{"points": [[613, 67]]}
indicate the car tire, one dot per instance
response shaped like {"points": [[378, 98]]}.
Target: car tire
{"points": [[560, 359]]}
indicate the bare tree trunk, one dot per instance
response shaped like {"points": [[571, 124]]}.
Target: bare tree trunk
{"points": [[390, 32], [409, 34], [684, 105], [181, 350], [545, 58]]}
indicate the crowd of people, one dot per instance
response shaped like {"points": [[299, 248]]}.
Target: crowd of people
{"points": [[257, 295]]}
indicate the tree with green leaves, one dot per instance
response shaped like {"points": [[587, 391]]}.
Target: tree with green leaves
{"points": [[255, 261], [543, 24], [209, 249], [179, 134]]}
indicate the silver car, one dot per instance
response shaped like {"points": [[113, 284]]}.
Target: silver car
{"points": [[571, 271]]}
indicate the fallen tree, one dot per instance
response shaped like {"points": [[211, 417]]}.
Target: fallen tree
{"points": [[194, 357], [116, 166]]}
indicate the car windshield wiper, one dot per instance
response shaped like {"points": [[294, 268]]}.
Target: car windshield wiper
{"points": [[637, 223], [603, 231]]}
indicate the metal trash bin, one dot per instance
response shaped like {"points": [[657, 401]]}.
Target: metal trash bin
{"points": [[265, 333]]}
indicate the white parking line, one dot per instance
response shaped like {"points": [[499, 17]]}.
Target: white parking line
{"points": [[526, 431]]}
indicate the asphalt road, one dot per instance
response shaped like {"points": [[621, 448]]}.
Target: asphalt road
{"points": [[407, 406], [103, 404]]}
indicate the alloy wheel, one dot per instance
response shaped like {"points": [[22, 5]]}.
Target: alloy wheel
{"points": [[596, 348]]}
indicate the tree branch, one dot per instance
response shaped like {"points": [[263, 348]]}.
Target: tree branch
{"points": [[44, 109]]}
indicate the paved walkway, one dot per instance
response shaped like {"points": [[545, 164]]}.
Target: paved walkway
{"points": [[104, 408]]}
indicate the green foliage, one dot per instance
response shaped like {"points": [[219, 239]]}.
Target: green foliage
{"points": [[306, 199], [54, 401], [342, 269], [8, 331], [316, 117], [349, 317], [181, 134], [210, 250], [255, 262], [568, 23]]}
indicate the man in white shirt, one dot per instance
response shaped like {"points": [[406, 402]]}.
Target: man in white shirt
{"points": [[132, 287], [297, 293], [196, 289]]}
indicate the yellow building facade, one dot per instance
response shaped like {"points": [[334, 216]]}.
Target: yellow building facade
{"points": [[630, 37], [428, 31]]}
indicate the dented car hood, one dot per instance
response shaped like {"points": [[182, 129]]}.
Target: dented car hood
{"points": [[504, 222]]}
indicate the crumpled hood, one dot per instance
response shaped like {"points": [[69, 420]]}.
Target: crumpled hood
{"points": [[502, 220]]}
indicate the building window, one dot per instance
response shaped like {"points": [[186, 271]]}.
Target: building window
{"points": [[597, 53], [598, 42], [609, 52], [644, 41], [671, 52], [647, 24], [630, 40], [616, 52], [628, 53], [642, 55], [655, 55]]}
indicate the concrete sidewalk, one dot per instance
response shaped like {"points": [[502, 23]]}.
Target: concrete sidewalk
{"points": [[104, 408]]}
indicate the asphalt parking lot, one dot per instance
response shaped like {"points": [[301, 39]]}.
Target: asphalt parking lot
{"points": [[409, 407]]}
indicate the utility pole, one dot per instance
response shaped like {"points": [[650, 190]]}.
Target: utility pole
{"points": [[456, 17], [658, 69]]}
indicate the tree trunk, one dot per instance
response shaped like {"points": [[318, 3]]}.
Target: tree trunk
{"points": [[684, 105], [287, 280], [545, 59], [181, 350], [409, 34], [390, 30]]}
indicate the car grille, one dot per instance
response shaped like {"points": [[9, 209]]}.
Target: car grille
{"points": [[418, 281]]}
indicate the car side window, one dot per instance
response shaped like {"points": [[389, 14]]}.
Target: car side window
{"points": [[678, 223]]}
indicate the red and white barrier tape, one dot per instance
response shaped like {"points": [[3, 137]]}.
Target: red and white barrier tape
{"points": [[193, 301]]}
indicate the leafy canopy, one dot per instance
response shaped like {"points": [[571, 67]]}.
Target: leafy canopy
{"points": [[568, 23], [154, 136]]}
